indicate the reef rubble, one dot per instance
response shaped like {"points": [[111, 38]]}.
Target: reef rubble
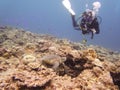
{"points": [[42, 62]]}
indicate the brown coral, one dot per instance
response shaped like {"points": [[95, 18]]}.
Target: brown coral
{"points": [[23, 57], [33, 79], [90, 54]]}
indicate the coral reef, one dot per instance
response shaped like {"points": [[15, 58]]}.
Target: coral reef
{"points": [[41, 62]]}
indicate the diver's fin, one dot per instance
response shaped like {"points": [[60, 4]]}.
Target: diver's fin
{"points": [[67, 5], [84, 41]]}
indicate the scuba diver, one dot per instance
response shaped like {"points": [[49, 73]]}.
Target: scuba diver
{"points": [[88, 21]]}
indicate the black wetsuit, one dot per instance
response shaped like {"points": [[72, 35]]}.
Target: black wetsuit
{"points": [[86, 25]]}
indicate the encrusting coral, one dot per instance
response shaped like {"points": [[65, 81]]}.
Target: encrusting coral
{"points": [[41, 62]]}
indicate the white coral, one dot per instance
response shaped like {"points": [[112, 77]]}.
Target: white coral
{"points": [[28, 59]]}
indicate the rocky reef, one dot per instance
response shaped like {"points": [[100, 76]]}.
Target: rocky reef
{"points": [[42, 62]]}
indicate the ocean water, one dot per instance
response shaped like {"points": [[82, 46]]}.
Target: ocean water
{"points": [[51, 17]]}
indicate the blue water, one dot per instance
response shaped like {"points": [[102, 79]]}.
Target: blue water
{"points": [[50, 17]]}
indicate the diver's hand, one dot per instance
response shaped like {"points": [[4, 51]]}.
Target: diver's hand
{"points": [[93, 30]]}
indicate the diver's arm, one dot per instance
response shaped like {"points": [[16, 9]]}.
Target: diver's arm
{"points": [[75, 25]]}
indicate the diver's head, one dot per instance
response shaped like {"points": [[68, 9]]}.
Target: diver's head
{"points": [[96, 6]]}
